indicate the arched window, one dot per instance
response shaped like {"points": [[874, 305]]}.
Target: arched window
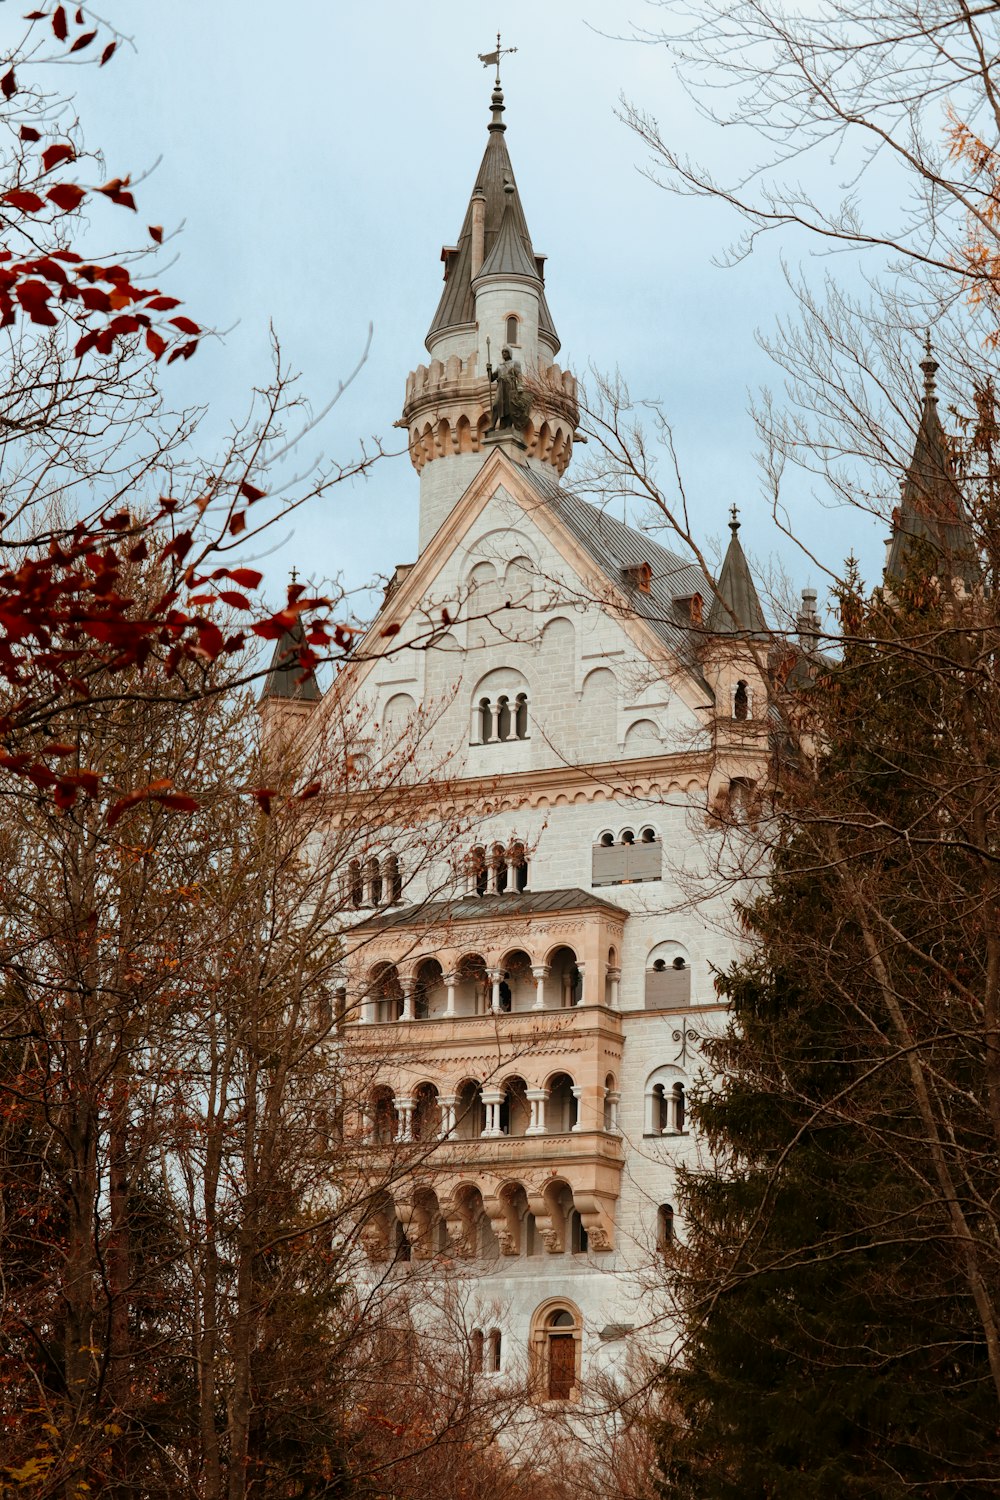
{"points": [[499, 868], [513, 329], [373, 880], [741, 701], [648, 836], [485, 721], [678, 1109], [668, 978], [607, 840], [493, 1355], [476, 1352], [561, 1107], [355, 884], [519, 866], [556, 1343], [664, 1227], [481, 872], [393, 879], [402, 1249], [426, 1113], [503, 718], [470, 1113], [628, 837], [384, 1119], [521, 716], [577, 1234]]}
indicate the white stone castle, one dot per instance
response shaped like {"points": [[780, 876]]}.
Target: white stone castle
{"points": [[530, 1001]]}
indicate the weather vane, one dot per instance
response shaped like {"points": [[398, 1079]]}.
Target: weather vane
{"points": [[488, 59]]}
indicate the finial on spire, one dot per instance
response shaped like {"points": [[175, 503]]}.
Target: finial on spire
{"points": [[295, 574], [488, 59], [734, 524], [930, 367]]}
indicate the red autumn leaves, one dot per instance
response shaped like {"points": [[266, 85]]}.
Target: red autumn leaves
{"points": [[78, 610], [40, 287]]}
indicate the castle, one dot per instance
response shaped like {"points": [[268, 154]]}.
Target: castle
{"points": [[532, 1001]]}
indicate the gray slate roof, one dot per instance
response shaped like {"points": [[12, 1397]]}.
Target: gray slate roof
{"points": [[931, 509], [509, 256], [457, 305], [284, 678], [736, 608], [488, 908], [614, 546]]}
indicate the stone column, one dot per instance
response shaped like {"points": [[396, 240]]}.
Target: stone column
{"points": [[614, 1099], [449, 1010], [578, 1096], [581, 970], [447, 1103], [495, 976], [408, 985], [367, 1125], [615, 976], [540, 972], [405, 1109], [492, 1098], [536, 1098]]}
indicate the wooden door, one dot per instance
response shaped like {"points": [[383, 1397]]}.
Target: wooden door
{"points": [[562, 1366]]}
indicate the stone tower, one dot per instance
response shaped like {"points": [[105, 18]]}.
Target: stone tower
{"points": [[494, 296]]}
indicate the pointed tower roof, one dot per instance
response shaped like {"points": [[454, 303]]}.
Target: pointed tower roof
{"points": [[457, 305], [284, 678], [511, 255], [736, 608], [931, 508]]}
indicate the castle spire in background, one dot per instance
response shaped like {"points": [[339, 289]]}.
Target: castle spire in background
{"points": [[931, 510]]}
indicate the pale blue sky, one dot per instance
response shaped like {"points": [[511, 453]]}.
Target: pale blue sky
{"points": [[320, 154]]}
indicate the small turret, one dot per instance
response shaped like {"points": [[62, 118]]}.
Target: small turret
{"points": [[493, 297], [931, 512], [289, 695], [733, 655]]}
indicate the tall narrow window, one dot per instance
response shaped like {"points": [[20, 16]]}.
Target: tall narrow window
{"points": [[561, 1356], [499, 869], [373, 880], [482, 873], [664, 1226], [503, 719], [485, 720], [519, 865], [741, 702], [513, 336], [393, 879], [357, 894], [521, 716], [679, 1108], [476, 1352], [494, 1350]]}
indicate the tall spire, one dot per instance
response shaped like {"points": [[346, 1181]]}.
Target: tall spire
{"points": [[736, 608], [931, 510], [496, 188]]}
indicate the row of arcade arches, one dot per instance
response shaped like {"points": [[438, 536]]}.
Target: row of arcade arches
{"points": [[521, 1222], [484, 1111]]}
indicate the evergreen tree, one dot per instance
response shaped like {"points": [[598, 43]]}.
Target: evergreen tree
{"points": [[840, 1280]]}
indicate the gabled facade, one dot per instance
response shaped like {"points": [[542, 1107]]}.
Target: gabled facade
{"points": [[529, 1004]]}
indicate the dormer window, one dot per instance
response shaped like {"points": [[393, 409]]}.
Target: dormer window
{"points": [[689, 609], [638, 576], [513, 329]]}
